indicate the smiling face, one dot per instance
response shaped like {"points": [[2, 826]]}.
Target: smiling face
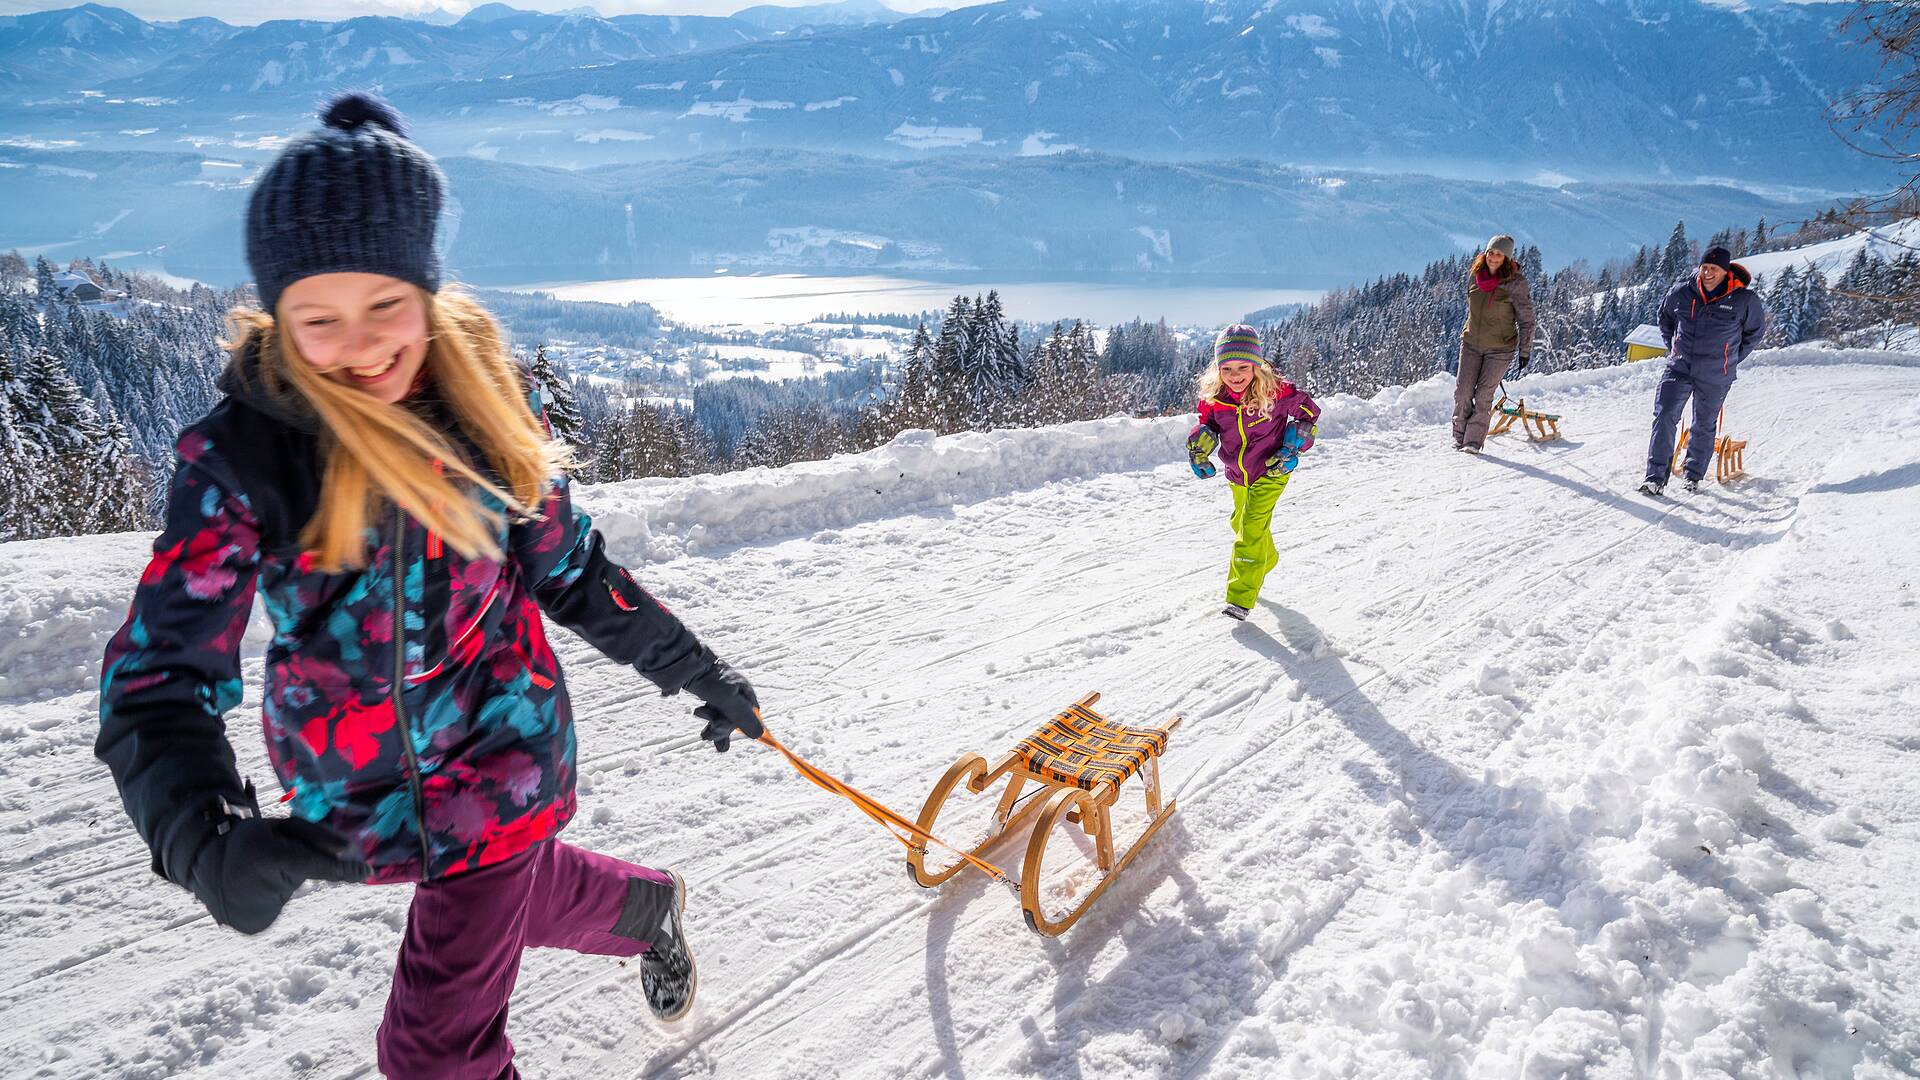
{"points": [[1496, 260], [1711, 276], [1236, 375], [367, 331]]}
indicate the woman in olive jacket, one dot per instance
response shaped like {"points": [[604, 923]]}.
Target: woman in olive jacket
{"points": [[1499, 326]]}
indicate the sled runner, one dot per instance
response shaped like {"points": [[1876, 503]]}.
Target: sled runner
{"points": [[1538, 425], [1080, 759], [1729, 454]]}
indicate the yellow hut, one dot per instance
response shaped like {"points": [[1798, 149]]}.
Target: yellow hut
{"points": [[1645, 343]]}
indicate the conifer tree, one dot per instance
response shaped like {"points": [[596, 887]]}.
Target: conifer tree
{"points": [[1677, 257], [19, 489], [1815, 304], [563, 412], [915, 405], [1783, 308], [949, 395]]}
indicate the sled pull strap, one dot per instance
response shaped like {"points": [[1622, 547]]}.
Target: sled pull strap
{"points": [[898, 827]]}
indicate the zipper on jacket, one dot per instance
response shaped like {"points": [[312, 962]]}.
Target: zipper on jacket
{"points": [[1240, 417], [399, 685]]}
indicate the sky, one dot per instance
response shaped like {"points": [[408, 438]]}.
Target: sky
{"points": [[252, 11]]}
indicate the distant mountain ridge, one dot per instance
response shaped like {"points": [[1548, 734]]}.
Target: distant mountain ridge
{"points": [[1588, 88], [92, 43], [1593, 89], [95, 46], [1070, 215], [829, 16]]}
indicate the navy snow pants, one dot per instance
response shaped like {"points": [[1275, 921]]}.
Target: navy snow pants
{"points": [[1675, 388]]}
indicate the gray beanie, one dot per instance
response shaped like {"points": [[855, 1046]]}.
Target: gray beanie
{"points": [[1502, 244], [353, 196]]}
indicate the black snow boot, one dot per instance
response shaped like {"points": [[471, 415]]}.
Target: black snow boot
{"points": [[1236, 612], [1690, 486], [1651, 487], [667, 972]]}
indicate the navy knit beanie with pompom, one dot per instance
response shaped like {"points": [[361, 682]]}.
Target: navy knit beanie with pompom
{"points": [[354, 196]]}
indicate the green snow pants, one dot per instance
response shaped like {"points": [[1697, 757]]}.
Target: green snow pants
{"points": [[1253, 551]]}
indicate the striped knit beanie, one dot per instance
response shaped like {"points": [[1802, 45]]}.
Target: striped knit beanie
{"points": [[1238, 342]]}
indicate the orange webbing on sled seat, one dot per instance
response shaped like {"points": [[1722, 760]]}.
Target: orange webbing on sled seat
{"points": [[1084, 749], [901, 829]]}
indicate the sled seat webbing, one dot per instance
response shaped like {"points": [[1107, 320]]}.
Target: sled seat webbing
{"points": [[1083, 749]]}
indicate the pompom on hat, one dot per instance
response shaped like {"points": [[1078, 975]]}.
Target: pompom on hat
{"points": [[354, 196], [1238, 342]]}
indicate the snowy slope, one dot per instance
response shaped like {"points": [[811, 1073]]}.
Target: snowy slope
{"points": [[1832, 257], [1513, 774]]}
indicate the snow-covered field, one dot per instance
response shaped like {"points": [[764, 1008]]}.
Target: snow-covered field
{"points": [[778, 365], [1512, 774]]}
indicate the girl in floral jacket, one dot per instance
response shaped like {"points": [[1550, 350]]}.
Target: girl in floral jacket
{"points": [[380, 474]]}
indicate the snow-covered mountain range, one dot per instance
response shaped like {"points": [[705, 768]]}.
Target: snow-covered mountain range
{"points": [[1067, 214], [1606, 88], [1592, 89], [99, 47]]}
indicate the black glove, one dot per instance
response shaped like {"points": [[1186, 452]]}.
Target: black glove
{"points": [[731, 705], [246, 872], [1522, 364]]}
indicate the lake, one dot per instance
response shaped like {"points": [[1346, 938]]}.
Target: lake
{"points": [[787, 299]]}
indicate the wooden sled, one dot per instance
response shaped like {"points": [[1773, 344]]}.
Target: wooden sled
{"points": [[1080, 758], [1539, 425], [1729, 454]]}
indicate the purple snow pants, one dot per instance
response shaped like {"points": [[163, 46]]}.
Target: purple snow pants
{"points": [[447, 1015]]}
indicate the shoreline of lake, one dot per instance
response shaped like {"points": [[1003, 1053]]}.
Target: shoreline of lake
{"points": [[724, 299]]}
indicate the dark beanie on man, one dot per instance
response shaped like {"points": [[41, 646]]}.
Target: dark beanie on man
{"points": [[355, 196], [1718, 256]]}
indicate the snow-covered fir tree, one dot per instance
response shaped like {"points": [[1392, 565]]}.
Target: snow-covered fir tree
{"points": [[563, 411]]}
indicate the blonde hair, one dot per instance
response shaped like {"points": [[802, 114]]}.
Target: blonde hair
{"points": [[1261, 393], [378, 454]]}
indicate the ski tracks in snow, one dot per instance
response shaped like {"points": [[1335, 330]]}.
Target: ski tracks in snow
{"points": [[1443, 800]]}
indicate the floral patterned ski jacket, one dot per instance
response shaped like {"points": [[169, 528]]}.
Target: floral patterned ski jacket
{"points": [[413, 705]]}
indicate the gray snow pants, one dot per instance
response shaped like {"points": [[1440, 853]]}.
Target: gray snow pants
{"points": [[1479, 376]]}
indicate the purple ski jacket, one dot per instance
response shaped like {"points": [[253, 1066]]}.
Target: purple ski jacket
{"points": [[1247, 441]]}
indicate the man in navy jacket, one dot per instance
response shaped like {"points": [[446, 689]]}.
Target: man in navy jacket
{"points": [[1711, 321]]}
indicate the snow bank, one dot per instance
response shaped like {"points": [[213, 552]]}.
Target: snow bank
{"points": [[659, 519], [60, 602]]}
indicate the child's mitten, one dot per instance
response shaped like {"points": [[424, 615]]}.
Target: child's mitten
{"points": [[250, 866], [1201, 443], [731, 705], [1283, 461]]}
